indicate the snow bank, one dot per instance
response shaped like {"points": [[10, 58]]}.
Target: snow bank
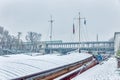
{"points": [[106, 71]]}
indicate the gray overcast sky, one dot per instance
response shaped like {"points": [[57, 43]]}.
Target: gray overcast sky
{"points": [[103, 18]]}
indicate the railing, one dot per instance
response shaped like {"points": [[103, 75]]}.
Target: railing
{"points": [[104, 46]]}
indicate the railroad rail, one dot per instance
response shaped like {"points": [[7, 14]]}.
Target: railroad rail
{"points": [[78, 71], [56, 72]]}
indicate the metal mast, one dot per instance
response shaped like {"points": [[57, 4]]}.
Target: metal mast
{"points": [[51, 30], [97, 43], [79, 18], [79, 33]]}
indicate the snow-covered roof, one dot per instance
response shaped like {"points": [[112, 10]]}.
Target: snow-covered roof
{"points": [[105, 71], [15, 66]]}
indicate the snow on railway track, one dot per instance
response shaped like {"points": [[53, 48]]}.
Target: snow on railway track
{"points": [[23, 66]]}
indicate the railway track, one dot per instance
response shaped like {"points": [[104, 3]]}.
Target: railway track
{"points": [[56, 72]]}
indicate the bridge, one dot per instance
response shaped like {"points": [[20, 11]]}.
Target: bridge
{"points": [[64, 47], [46, 46]]}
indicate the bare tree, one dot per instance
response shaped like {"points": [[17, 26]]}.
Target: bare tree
{"points": [[1, 36], [9, 42], [14, 41], [4, 39], [33, 38]]}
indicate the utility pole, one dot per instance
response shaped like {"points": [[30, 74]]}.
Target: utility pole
{"points": [[51, 30], [97, 37], [97, 43], [79, 33], [79, 18], [19, 34]]}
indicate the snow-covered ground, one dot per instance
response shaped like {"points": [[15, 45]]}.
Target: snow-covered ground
{"points": [[105, 71], [15, 66]]}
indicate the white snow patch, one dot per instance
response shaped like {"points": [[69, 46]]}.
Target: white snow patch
{"points": [[106, 71], [15, 66]]}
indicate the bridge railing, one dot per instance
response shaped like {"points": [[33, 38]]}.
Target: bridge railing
{"points": [[90, 46], [105, 44]]}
